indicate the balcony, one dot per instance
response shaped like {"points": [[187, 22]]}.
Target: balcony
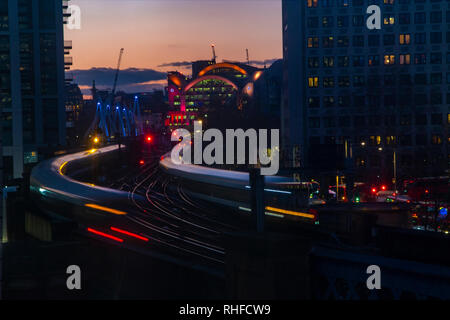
{"points": [[68, 61], [65, 4], [67, 44], [68, 77]]}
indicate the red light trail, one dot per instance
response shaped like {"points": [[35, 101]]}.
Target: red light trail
{"points": [[104, 235]]}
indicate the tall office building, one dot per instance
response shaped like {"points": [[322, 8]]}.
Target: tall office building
{"points": [[31, 81], [383, 93]]}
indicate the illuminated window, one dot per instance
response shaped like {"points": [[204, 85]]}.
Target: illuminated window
{"points": [[388, 1], [342, 41], [405, 38], [313, 82], [327, 22], [328, 101], [374, 60], [436, 139], [328, 42], [375, 140], [389, 20], [314, 102], [313, 42], [312, 3], [328, 62], [390, 140], [360, 162], [328, 82], [313, 62], [405, 58], [389, 59]]}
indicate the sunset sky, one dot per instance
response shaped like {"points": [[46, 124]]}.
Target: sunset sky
{"points": [[162, 35]]}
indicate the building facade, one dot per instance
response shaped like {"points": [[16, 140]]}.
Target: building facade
{"points": [[383, 93], [31, 81]]}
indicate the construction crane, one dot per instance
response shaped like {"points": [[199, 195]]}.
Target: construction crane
{"points": [[248, 57], [100, 119], [113, 92], [213, 46]]}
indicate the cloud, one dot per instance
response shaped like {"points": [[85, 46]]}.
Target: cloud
{"points": [[176, 64], [267, 62], [186, 64], [104, 77]]}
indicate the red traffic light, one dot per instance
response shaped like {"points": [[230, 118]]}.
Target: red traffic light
{"points": [[383, 187], [148, 139], [142, 162], [374, 190]]}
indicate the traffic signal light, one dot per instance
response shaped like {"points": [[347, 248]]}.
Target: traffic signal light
{"points": [[142, 162], [148, 138]]}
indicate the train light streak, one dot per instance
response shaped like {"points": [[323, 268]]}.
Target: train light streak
{"points": [[267, 213], [274, 215], [272, 190], [101, 208], [62, 167], [104, 235], [129, 234], [293, 213]]}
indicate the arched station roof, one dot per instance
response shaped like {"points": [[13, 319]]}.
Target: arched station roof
{"points": [[224, 65], [196, 81]]}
